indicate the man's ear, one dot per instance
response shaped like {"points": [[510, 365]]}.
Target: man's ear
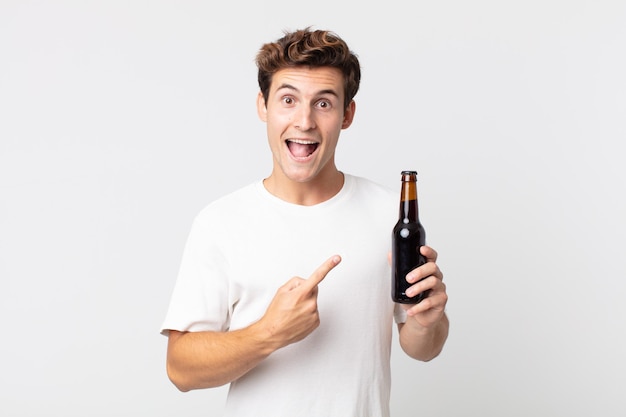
{"points": [[261, 108], [348, 115]]}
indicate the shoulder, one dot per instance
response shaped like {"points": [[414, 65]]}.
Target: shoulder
{"points": [[369, 187], [228, 205], [372, 197]]}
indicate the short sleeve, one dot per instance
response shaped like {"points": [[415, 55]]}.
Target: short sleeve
{"points": [[199, 301]]}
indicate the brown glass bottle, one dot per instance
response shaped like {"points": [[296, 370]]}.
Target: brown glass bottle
{"points": [[407, 238]]}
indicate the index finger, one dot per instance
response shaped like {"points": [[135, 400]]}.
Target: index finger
{"points": [[320, 273], [430, 254]]}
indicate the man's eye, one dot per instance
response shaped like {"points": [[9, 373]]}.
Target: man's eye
{"points": [[288, 100]]}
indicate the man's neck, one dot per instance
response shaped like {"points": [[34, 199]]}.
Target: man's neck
{"points": [[308, 193]]}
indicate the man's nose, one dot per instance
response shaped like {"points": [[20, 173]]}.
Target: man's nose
{"points": [[304, 119]]}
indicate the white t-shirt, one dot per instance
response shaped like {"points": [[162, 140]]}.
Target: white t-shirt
{"points": [[244, 246]]}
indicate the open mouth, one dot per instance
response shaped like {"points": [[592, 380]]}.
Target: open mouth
{"points": [[301, 148]]}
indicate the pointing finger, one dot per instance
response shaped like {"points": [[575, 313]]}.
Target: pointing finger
{"points": [[320, 273]]}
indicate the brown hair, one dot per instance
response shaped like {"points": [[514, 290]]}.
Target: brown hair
{"points": [[318, 48]]}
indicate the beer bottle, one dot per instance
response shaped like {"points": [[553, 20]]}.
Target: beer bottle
{"points": [[407, 238]]}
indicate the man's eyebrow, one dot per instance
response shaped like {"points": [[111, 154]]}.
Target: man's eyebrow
{"points": [[286, 86], [319, 93], [328, 91]]}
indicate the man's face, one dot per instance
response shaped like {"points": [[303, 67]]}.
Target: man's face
{"points": [[305, 115]]}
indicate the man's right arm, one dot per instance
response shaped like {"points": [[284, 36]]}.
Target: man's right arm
{"points": [[210, 359]]}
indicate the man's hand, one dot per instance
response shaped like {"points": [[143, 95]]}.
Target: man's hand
{"points": [[292, 314], [427, 277], [426, 329]]}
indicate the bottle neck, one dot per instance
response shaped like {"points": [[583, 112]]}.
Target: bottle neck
{"points": [[408, 202]]}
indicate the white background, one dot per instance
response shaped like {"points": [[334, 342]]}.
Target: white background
{"points": [[120, 120]]}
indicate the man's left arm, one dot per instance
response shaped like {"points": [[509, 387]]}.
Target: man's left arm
{"points": [[425, 331]]}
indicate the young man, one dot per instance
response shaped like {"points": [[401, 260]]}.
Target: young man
{"points": [[299, 346]]}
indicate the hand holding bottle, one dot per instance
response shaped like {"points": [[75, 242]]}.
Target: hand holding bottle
{"points": [[428, 279]]}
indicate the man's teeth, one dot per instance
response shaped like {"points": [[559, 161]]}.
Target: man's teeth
{"points": [[302, 142]]}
